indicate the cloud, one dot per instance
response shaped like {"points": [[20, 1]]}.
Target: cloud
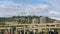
{"points": [[50, 0], [40, 0], [35, 9], [23, 0], [11, 9], [55, 18], [38, 9], [54, 0], [8, 9], [54, 12]]}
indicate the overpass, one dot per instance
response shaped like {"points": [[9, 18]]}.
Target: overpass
{"points": [[29, 27]]}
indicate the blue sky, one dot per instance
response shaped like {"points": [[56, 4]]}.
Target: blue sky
{"points": [[49, 8]]}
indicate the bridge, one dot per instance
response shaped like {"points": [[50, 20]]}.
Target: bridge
{"points": [[18, 28]]}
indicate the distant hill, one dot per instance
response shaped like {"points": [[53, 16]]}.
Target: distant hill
{"points": [[24, 19], [2, 19]]}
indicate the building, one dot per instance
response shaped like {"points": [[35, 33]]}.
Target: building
{"points": [[42, 19], [29, 19], [35, 21]]}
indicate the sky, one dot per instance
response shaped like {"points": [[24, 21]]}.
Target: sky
{"points": [[49, 8]]}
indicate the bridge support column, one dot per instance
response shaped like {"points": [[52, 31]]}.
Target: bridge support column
{"points": [[6, 32], [20, 32], [27, 32], [16, 31], [11, 31], [24, 29], [34, 31]]}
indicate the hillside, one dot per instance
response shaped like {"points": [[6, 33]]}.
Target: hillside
{"points": [[24, 19]]}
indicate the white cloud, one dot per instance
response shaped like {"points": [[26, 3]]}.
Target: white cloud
{"points": [[10, 9], [33, 9], [54, 0], [14, 9], [55, 18], [54, 12], [23, 0], [50, 0]]}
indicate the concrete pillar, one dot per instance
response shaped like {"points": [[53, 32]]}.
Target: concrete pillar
{"points": [[6, 31], [45, 29], [24, 29], [34, 31], [11, 30], [2, 31], [49, 29], [27, 32], [20, 32], [16, 30]]}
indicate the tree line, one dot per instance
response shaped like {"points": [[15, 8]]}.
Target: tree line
{"points": [[24, 19]]}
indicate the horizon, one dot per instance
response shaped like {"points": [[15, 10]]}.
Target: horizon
{"points": [[49, 8], [32, 16]]}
